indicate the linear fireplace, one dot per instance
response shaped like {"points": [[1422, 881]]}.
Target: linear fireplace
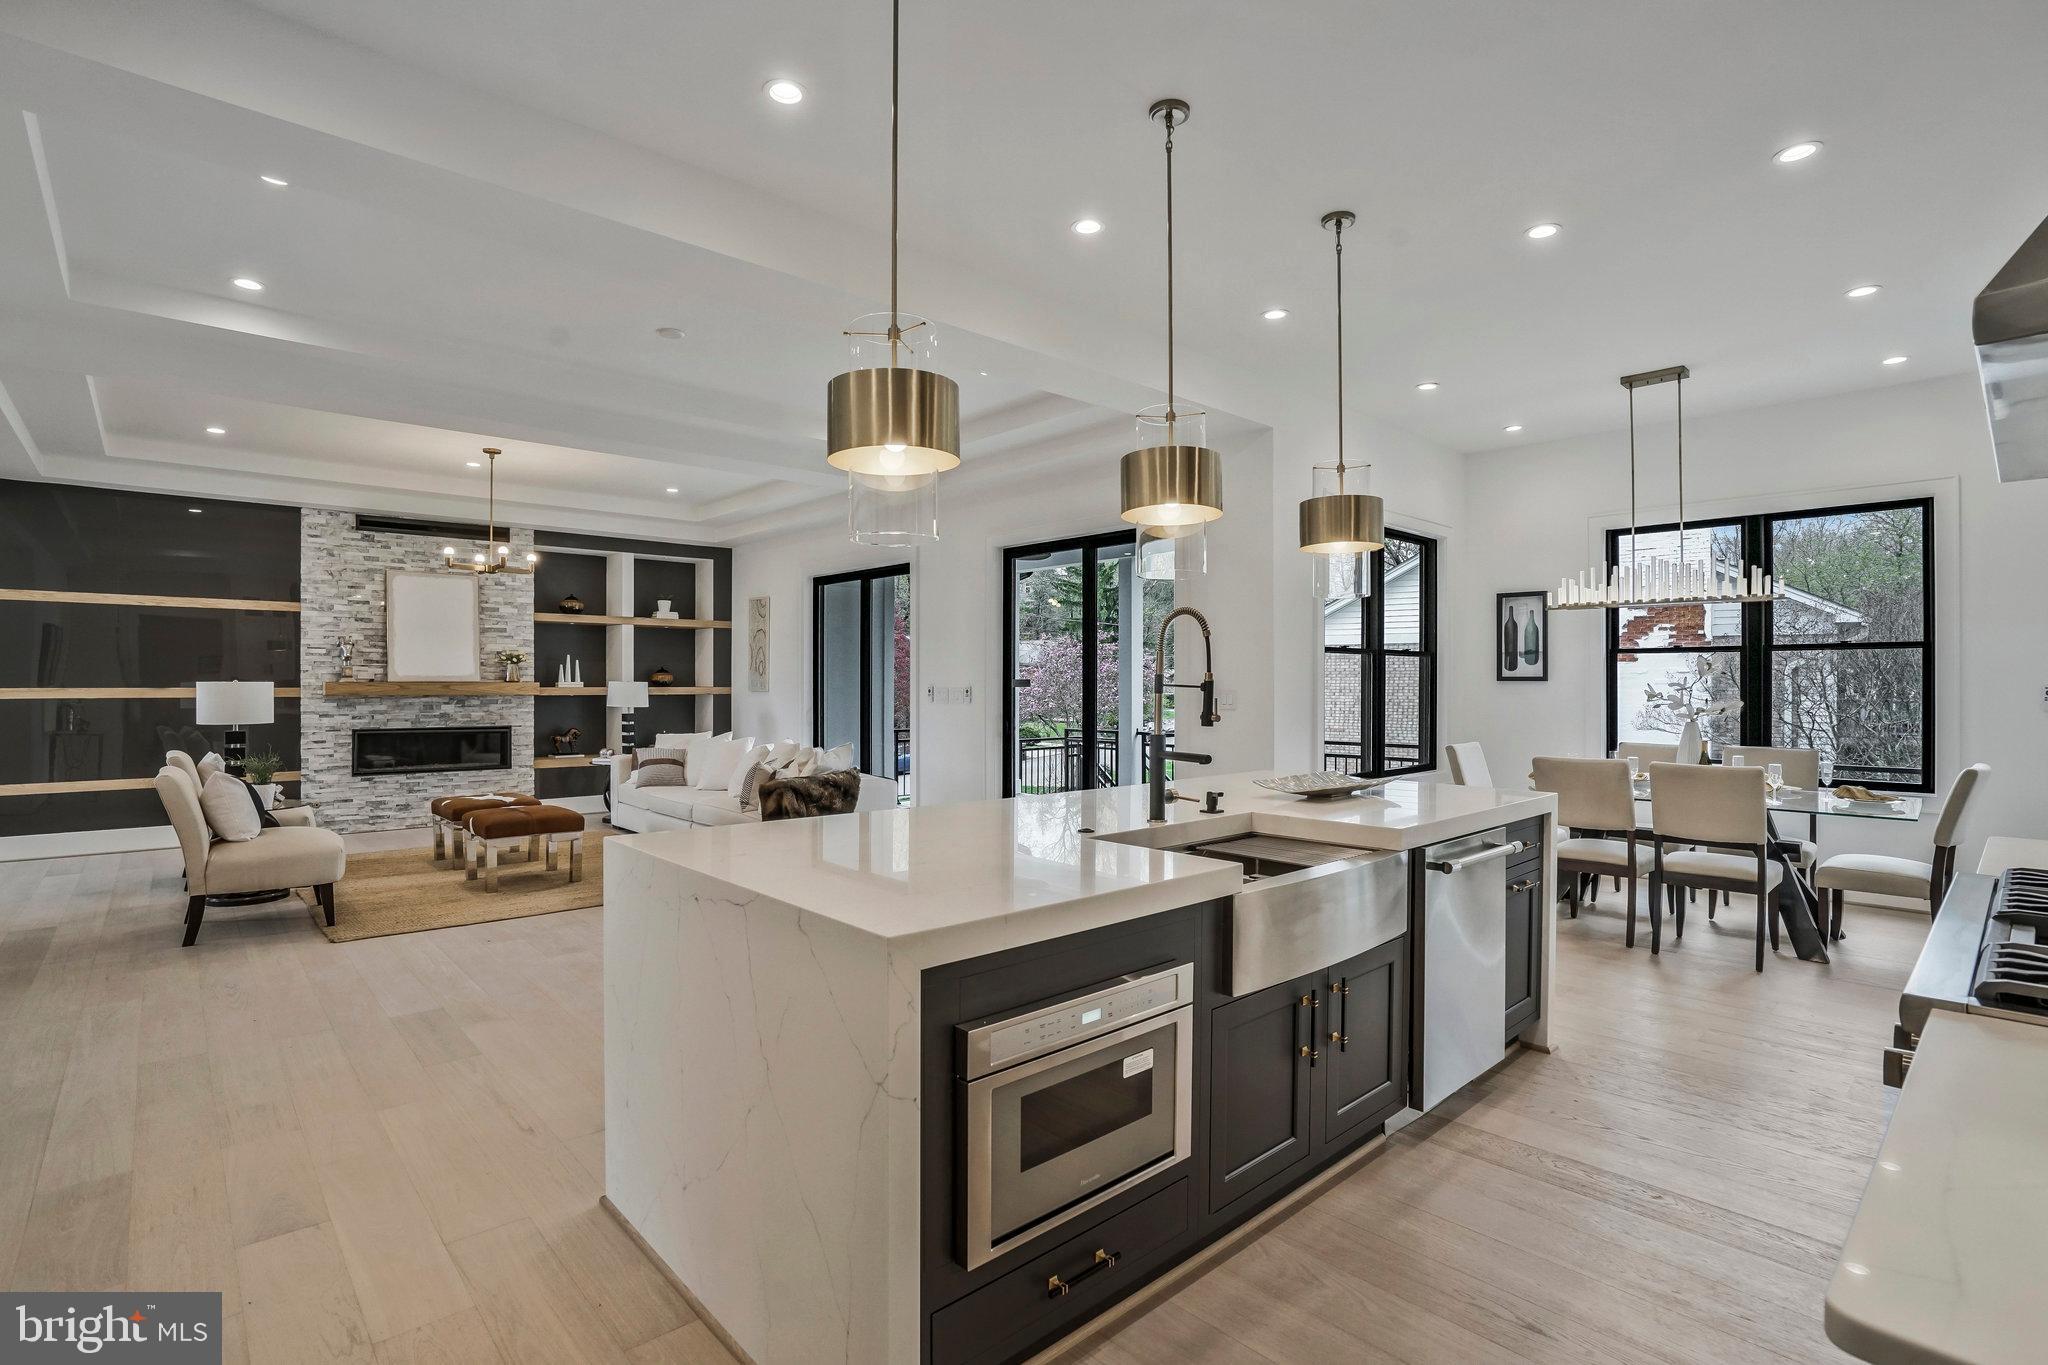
{"points": [[379, 753]]}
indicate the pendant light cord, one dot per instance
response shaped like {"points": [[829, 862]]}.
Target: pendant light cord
{"points": [[895, 121], [1633, 538], [1170, 414], [1681, 473], [1340, 355]]}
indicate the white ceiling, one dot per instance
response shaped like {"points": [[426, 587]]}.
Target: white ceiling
{"points": [[494, 205]]}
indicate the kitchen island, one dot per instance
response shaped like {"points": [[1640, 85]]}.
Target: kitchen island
{"points": [[777, 1092]]}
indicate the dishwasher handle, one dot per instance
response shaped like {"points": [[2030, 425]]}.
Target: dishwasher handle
{"points": [[1492, 851]]}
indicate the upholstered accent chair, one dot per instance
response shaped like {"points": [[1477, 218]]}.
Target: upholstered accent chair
{"points": [[1875, 874], [1721, 813], [1596, 808], [1467, 762], [291, 855]]}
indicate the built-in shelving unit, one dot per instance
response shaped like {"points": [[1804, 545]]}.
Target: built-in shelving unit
{"points": [[370, 688], [578, 618], [103, 784], [562, 760]]}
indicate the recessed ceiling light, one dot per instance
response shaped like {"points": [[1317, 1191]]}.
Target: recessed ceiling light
{"points": [[474, 464], [1515, 427], [1542, 230], [276, 180], [1895, 360], [1087, 227], [244, 282], [669, 333], [984, 374], [1274, 314], [1863, 291], [671, 490], [1798, 151], [785, 92], [195, 511], [1427, 386], [216, 431]]}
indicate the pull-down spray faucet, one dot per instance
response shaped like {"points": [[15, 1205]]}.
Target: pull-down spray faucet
{"points": [[1207, 715]]}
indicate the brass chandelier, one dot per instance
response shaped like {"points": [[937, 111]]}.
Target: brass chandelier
{"points": [[1342, 528], [493, 558], [892, 428], [1174, 483]]}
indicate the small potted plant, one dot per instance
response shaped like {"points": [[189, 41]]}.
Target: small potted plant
{"points": [[511, 659], [260, 770]]}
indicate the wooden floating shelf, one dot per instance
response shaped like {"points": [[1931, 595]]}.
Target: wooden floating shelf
{"points": [[365, 688], [563, 760], [130, 599], [108, 693], [99, 784], [580, 618]]}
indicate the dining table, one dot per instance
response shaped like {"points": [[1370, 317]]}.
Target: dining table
{"points": [[1798, 902]]}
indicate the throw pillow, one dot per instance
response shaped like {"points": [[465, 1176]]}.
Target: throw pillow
{"points": [[750, 789], [229, 812], [209, 764], [712, 761], [780, 753], [837, 759], [679, 741], [660, 766], [802, 763], [263, 815], [792, 798], [742, 770]]}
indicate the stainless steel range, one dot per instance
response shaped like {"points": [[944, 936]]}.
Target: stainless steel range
{"points": [[1987, 953]]}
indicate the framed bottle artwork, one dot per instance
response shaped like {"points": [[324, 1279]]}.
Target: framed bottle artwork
{"points": [[1521, 637]]}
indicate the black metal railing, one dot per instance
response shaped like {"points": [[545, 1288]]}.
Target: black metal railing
{"points": [[1348, 756], [902, 765], [1060, 763]]}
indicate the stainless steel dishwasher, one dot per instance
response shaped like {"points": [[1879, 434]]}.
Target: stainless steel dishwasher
{"points": [[1464, 960]]}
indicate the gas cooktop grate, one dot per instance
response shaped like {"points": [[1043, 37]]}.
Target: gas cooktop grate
{"points": [[2026, 888], [2014, 975]]}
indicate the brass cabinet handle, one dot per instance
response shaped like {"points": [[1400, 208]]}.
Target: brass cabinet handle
{"points": [[1057, 1288], [1526, 884], [1339, 1039]]}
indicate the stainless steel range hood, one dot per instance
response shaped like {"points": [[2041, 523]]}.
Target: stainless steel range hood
{"points": [[2010, 324]]}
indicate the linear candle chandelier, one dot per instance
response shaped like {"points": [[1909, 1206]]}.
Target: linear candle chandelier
{"points": [[1661, 582]]}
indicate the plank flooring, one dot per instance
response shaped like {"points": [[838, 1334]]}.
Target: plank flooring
{"points": [[392, 1150]]}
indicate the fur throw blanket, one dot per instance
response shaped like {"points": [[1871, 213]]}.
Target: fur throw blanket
{"points": [[791, 798]]}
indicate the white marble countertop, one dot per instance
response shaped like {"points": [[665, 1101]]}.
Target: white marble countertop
{"points": [[1942, 1264], [922, 871]]}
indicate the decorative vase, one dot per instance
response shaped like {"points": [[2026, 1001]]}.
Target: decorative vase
{"points": [[661, 607], [661, 677], [570, 605], [511, 672], [268, 792]]}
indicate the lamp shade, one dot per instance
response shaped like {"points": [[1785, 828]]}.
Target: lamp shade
{"points": [[1343, 524], [893, 421], [236, 704], [1172, 485], [625, 696]]}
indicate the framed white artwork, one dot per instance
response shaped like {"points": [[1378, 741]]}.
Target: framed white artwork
{"points": [[430, 626]]}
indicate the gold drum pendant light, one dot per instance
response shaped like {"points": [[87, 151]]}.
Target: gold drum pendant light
{"points": [[1342, 523], [1172, 484], [892, 422]]}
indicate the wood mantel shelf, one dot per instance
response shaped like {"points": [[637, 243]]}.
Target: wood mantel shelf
{"points": [[584, 618], [366, 688]]}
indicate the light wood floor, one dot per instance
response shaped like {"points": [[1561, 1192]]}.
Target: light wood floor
{"points": [[392, 1150]]}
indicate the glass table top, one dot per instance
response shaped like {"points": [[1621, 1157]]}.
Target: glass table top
{"points": [[1806, 801]]}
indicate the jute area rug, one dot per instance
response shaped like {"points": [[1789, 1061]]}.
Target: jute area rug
{"points": [[404, 891]]}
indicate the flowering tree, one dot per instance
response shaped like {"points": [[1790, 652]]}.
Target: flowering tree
{"points": [[1054, 698]]}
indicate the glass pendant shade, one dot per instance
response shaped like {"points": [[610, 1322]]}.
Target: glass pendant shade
{"points": [[892, 421], [1337, 576], [1168, 553], [892, 509]]}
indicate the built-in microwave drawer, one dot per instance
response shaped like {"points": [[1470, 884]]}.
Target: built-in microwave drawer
{"points": [[1067, 1283]]}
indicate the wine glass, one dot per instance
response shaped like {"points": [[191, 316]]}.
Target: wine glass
{"points": [[1827, 771], [1774, 778], [1738, 760]]}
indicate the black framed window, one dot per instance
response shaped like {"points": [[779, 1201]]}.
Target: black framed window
{"points": [[1843, 664], [860, 668], [1379, 666]]}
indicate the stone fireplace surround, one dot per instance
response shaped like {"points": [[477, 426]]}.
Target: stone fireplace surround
{"points": [[341, 594]]}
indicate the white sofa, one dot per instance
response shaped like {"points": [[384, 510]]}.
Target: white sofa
{"points": [[644, 810]]}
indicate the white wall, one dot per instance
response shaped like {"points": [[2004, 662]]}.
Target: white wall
{"points": [[957, 618], [1535, 515]]}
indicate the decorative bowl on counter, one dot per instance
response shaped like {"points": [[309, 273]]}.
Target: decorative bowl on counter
{"points": [[1320, 786]]}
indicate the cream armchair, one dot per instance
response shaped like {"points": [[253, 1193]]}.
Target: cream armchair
{"points": [[292, 855]]}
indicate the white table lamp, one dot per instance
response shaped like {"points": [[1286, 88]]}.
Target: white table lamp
{"points": [[625, 698], [236, 706]]}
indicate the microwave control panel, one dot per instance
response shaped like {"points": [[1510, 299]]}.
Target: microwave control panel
{"points": [[1052, 1027]]}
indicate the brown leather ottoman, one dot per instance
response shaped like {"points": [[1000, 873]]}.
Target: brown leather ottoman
{"points": [[501, 827], [446, 814]]}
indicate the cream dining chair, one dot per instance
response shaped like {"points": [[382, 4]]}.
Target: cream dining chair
{"points": [[1801, 769], [1468, 764], [1876, 874], [1721, 812], [1596, 807]]}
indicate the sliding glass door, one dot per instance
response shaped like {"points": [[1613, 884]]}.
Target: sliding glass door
{"points": [[1077, 617], [860, 678]]}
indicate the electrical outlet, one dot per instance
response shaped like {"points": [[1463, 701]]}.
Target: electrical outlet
{"points": [[967, 696], [1226, 699]]}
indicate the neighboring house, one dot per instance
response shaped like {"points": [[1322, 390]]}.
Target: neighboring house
{"points": [[1343, 677]]}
